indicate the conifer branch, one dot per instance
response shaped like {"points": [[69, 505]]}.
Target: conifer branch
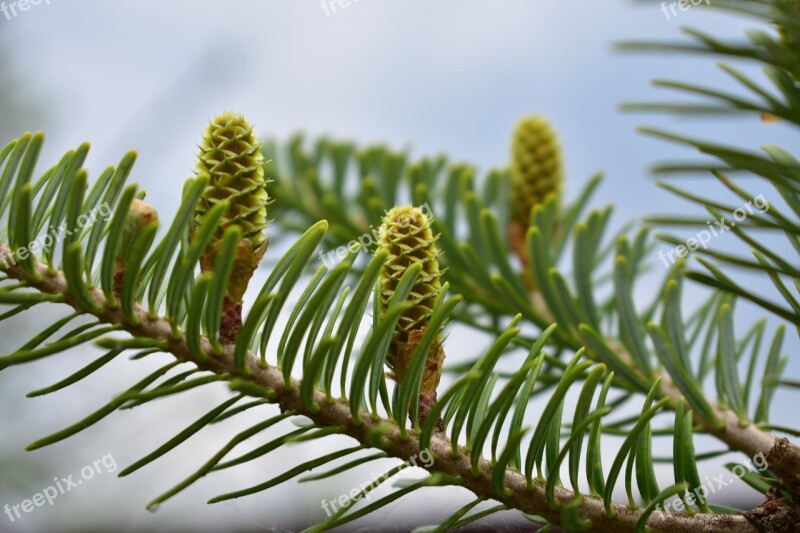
{"points": [[371, 432]]}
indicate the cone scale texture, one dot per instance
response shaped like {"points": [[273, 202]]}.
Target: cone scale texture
{"points": [[230, 155], [536, 166], [407, 237]]}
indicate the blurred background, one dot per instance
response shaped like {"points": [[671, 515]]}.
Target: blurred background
{"points": [[443, 75]]}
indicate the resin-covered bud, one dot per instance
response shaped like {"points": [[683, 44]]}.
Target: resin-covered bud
{"points": [[140, 215]]}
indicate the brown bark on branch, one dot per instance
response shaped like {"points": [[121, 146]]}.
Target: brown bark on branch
{"points": [[337, 413]]}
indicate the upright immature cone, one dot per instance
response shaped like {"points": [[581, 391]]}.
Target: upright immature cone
{"points": [[230, 155], [536, 173], [536, 166], [406, 235]]}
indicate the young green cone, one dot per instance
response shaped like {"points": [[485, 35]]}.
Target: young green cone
{"points": [[536, 166], [230, 155], [406, 235], [536, 173]]}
